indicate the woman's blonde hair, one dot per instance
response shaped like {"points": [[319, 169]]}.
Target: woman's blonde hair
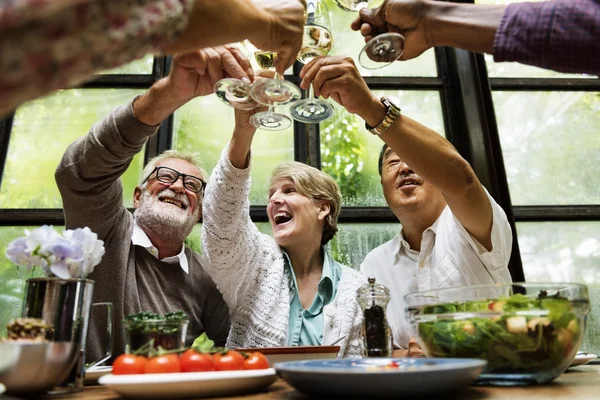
{"points": [[192, 158], [317, 186]]}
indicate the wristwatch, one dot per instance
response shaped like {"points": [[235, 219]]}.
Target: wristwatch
{"points": [[393, 112]]}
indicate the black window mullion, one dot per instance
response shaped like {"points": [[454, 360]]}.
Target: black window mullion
{"points": [[5, 129], [306, 136], [546, 84], [557, 213], [163, 139], [470, 82]]}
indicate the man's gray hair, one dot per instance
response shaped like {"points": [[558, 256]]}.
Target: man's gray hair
{"points": [[192, 158]]}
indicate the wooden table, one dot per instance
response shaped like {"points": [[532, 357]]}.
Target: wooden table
{"points": [[578, 383]]}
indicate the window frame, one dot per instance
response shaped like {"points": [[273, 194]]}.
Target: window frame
{"points": [[469, 121]]}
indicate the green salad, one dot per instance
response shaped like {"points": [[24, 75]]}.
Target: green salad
{"points": [[515, 334]]}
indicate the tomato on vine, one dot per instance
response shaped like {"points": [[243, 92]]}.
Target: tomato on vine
{"points": [[230, 361], [192, 361], [256, 360], [162, 364], [128, 364]]}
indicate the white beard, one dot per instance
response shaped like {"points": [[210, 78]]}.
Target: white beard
{"points": [[170, 223]]}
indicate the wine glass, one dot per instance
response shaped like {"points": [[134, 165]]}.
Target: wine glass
{"points": [[316, 42], [352, 5], [235, 93], [272, 93], [383, 49]]}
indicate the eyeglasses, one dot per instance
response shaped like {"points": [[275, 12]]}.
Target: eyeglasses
{"points": [[170, 176]]}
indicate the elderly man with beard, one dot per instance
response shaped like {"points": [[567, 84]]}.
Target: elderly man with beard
{"points": [[453, 232], [146, 266]]}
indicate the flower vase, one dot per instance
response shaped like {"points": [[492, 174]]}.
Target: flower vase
{"points": [[64, 305]]}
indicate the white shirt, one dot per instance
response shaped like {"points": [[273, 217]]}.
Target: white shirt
{"points": [[139, 238], [449, 257]]}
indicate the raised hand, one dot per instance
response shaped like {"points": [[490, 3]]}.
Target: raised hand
{"points": [[407, 17], [283, 29], [338, 78], [195, 73]]}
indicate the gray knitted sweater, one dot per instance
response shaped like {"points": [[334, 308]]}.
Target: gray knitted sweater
{"points": [[129, 276]]}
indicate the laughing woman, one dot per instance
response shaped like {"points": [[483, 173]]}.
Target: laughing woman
{"points": [[284, 290]]}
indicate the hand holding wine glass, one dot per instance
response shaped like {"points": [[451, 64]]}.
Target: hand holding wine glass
{"points": [[283, 33], [382, 48], [407, 17], [271, 92], [338, 78], [317, 42]]}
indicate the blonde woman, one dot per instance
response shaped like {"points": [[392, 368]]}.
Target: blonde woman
{"points": [[285, 289]]}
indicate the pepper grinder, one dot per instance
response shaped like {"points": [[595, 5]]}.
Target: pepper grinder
{"points": [[373, 298]]}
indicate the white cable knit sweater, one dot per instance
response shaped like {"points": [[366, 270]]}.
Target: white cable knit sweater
{"points": [[248, 267]]}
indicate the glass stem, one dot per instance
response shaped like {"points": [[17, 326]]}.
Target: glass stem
{"points": [[311, 92]]}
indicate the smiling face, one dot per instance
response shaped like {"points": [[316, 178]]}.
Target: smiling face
{"points": [[168, 209], [404, 190], [294, 217]]}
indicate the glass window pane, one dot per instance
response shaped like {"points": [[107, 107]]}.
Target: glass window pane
{"points": [[42, 130], [551, 146], [204, 126], [565, 252], [347, 42], [353, 242], [143, 66], [12, 278], [516, 70], [350, 153]]}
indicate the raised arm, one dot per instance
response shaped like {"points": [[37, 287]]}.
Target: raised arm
{"points": [[88, 174], [429, 154], [557, 34], [232, 243], [48, 44]]}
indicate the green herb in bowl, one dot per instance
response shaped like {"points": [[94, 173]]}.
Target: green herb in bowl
{"points": [[147, 331]]}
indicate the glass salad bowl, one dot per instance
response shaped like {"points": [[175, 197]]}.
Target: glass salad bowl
{"points": [[528, 332], [146, 332]]}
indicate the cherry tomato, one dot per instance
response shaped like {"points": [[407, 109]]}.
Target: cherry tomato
{"points": [[192, 361], [167, 363], [256, 360], [127, 364], [230, 361]]}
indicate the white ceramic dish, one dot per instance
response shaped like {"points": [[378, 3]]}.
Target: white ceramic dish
{"points": [[371, 377], [582, 359], [94, 373], [189, 384]]}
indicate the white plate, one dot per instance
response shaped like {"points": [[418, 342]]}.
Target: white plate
{"points": [[2, 388], [94, 373], [582, 359], [190, 384], [369, 376]]}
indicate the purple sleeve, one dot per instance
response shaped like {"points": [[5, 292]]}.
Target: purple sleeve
{"points": [[562, 35]]}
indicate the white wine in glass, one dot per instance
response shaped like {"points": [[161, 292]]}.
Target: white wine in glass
{"points": [[352, 5], [316, 42], [271, 92], [235, 93], [265, 59]]}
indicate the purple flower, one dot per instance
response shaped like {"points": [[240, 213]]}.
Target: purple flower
{"points": [[72, 255]]}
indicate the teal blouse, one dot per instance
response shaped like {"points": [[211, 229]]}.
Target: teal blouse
{"points": [[306, 326]]}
